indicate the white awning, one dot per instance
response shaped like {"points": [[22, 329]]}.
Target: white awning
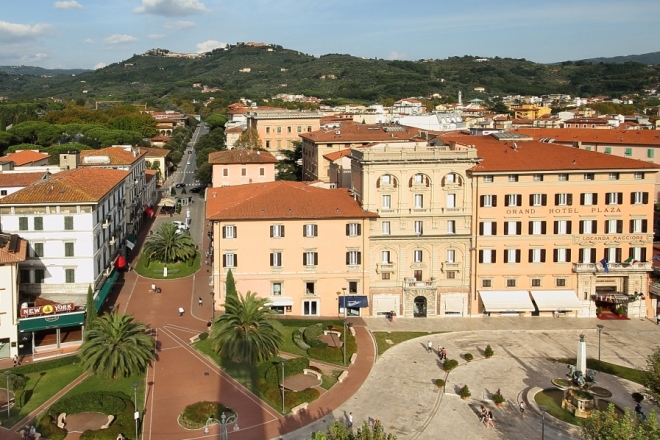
{"points": [[556, 300], [130, 244], [454, 304], [506, 300], [279, 301]]}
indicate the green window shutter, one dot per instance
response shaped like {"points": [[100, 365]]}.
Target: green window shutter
{"points": [[650, 152], [70, 275], [38, 249], [608, 150], [22, 223], [38, 223], [68, 223], [628, 152], [39, 276], [68, 249]]}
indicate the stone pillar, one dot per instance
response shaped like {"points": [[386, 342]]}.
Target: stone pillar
{"points": [[582, 356]]}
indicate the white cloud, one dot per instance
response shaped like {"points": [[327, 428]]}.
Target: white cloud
{"points": [[99, 66], [119, 39], [171, 8], [209, 45], [18, 31], [88, 40], [72, 4], [155, 36], [30, 59], [394, 55], [179, 25]]}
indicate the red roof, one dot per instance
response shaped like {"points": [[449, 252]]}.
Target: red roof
{"points": [[240, 156], [18, 179], [25, 157], [337, 154], [110, 156], [281, 200], [363, 133], [588, 135], [14, 256]]}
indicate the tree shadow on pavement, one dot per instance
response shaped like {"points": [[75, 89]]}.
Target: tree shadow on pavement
{"points": [[303, 418]]}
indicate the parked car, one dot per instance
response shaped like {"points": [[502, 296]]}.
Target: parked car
{"points": [[197, 189], [181, 225], [180, 185]]}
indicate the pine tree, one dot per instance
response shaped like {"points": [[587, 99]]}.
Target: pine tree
{"points": [[91, 309], [231, 285]]}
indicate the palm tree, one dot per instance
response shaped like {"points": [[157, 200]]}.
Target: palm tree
{"points": [[116, 347], [169, 245], [244, 333]]}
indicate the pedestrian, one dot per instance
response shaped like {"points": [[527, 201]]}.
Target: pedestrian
{"points": [[444, 354], [33, 432], [350, 420], [199, 301], [181, 311], [206, 262], [484, 414], [522, 407], [657, 318], [430, 347], [16, 360], [153, 288], [638, 408], [489, 419], [207, 254]]}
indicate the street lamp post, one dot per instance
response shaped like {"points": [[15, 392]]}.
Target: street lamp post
{"points": [[224, 421], [212, 305], [282, 360], [543, 411], [600, 329], [7, 374], [136, 414]]}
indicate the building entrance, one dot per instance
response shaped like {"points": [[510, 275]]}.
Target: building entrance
{"points": [[419, 308]]}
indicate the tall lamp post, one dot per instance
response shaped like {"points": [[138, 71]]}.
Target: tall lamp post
{"points": [[136, 414], [224, 421], [543, 409], [282, 361], [7, 374], [600, 329], [212, 305]]}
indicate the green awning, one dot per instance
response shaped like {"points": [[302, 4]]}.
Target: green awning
{"points": [[132, 238], [52, 321], [105, 290]]}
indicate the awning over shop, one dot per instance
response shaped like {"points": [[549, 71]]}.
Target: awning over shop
{"points": [[130, 241], [149, 211], [167, 201], [100, 297], [53, 321], [556, 300], [454, 304], [279, 301], [506, 300], [353, 301], [121, 262]]}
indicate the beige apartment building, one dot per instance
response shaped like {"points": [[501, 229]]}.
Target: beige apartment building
{"points": [[278, 128], [241, 166], [304, 248]]}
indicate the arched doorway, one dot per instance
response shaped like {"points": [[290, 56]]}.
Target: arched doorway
{"points": [[419, 308]]}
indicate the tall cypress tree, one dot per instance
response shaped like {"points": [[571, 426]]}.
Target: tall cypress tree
{"points": [[91, 309], [231, 285]]}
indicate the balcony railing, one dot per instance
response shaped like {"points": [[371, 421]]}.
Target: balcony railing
{"points": [[385, 267], [412, 283], [612, 267]]}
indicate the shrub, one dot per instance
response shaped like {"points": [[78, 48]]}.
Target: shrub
{"points": [[194, 416], [468, 357], [637, 397], [47, 427], [291, 367], [298, 340], [440, 383], [123, 423], [17, 382], [599, 311], [488, 352], [46, 365], [203, 336], [464, 392], [106, 403], [620, 310], [449, 364], [311, 336], [327, 354], [498, 397]]}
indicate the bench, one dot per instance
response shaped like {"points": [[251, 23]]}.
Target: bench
{"points": [[107, 425], [331, 332], [61, 421], [296, 409], [352, 330], [312, 373], [194, 339], [353, 358], [342, 376]]}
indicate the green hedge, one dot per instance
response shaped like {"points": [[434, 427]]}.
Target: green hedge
{"points": [[291, 368], [298, 339], [194, 416], [311, 336], [123, 424], [36, 367], [273, 395], [110, 404], [47, 427], [332, 354]]}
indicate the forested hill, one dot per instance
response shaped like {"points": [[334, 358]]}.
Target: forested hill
{"points": [[32, 70], [273, 70], [645, 58]]}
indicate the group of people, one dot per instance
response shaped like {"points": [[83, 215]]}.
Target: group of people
{"points": [[442, 352], [486, 417], [30, 432]]}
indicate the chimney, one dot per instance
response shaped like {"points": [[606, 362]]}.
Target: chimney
{"points": [[69, 160]]}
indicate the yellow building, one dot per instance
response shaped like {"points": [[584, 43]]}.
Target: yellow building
{"points": [[278, 128], [530, 111]]}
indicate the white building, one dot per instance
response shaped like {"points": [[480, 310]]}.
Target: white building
{"points": [[445, 121], [13, 251]]}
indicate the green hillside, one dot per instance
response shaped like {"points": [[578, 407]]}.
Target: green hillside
{"points": [[645, 58]]}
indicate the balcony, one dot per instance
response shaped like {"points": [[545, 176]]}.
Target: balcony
{"points": [[106, 222], [112, 241], [385, 267], [450, 266], [412, 283], [612, 267]]}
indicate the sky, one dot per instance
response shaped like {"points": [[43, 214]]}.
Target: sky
{"points": [[90, 34]]}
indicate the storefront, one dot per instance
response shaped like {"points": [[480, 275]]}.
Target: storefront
{"points": [[350, 305], [55, 330], [506, 302], [280, 304], [556, 302], [105, 290]]}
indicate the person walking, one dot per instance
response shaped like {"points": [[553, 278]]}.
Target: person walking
{"points": [[489, 419], [181, 311], [443, 354], [522, 408], [350, 420], [484, 414], [430, 347], [199, 301], [16, 363]]}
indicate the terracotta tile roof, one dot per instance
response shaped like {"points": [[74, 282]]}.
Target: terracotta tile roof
{"points": [[17, 256], [160, 137], [337, 154], [19, 179], [588, 135], [25, 157], [281, 200], [240, 156], [238, 129], [150, 174], [155, 152], [109, 156], [499, 156], [364, 133], [71, 186]]}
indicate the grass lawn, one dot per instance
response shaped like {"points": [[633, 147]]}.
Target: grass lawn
{"points": [[396, 338], [289, 346], [556, 410], [98, 384], [630, 374], [175, 270], [40, 387], [330, 381]]}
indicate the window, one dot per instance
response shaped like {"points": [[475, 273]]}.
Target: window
{"points": [[637, 253], [638, 176], [267, 130], [563, 199], [277, 231], [488, 201], [417, 274], [39, 276], [538, 178], [512, 228], [417, 256], [639, 198], [613, 255], [608, 150], [451, 275], [650, 152], [613, 226], [418, 178], [537, 228], [587, 148], [309, 129], [638, 225], [25, 275], [513, 177], [229, 232], [614, 176], [68, 249], [69, 275], [387, 201], [486, 283], [38, 249], [588, 199], [538, 200], [563, 227], [385, 257], [68, 223], [589, 176], [385, 276], [310, 230], [225, 172], [510, 283], [451, 226], [22, 223], [276, 259], [3, 192], [353, 287], [487, 228], [38, 223], [450, 178], [512, 255], [229, 260], [289, 130], [560, 282], [386, 228], [451, 256], [353, 258], [279, 129], [419, 201], [614, 198], [628, 152], [451, 200], [587, 255], [537, 255], [419, 227], [536, 282], [310, 307], [299, 129], [386, 179], [513, 200], [243, 172], [276, 289], [310, 258], [262, 171], [588, 226], [487, 256], [562, 177], [488, 179], [353, 229]]}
